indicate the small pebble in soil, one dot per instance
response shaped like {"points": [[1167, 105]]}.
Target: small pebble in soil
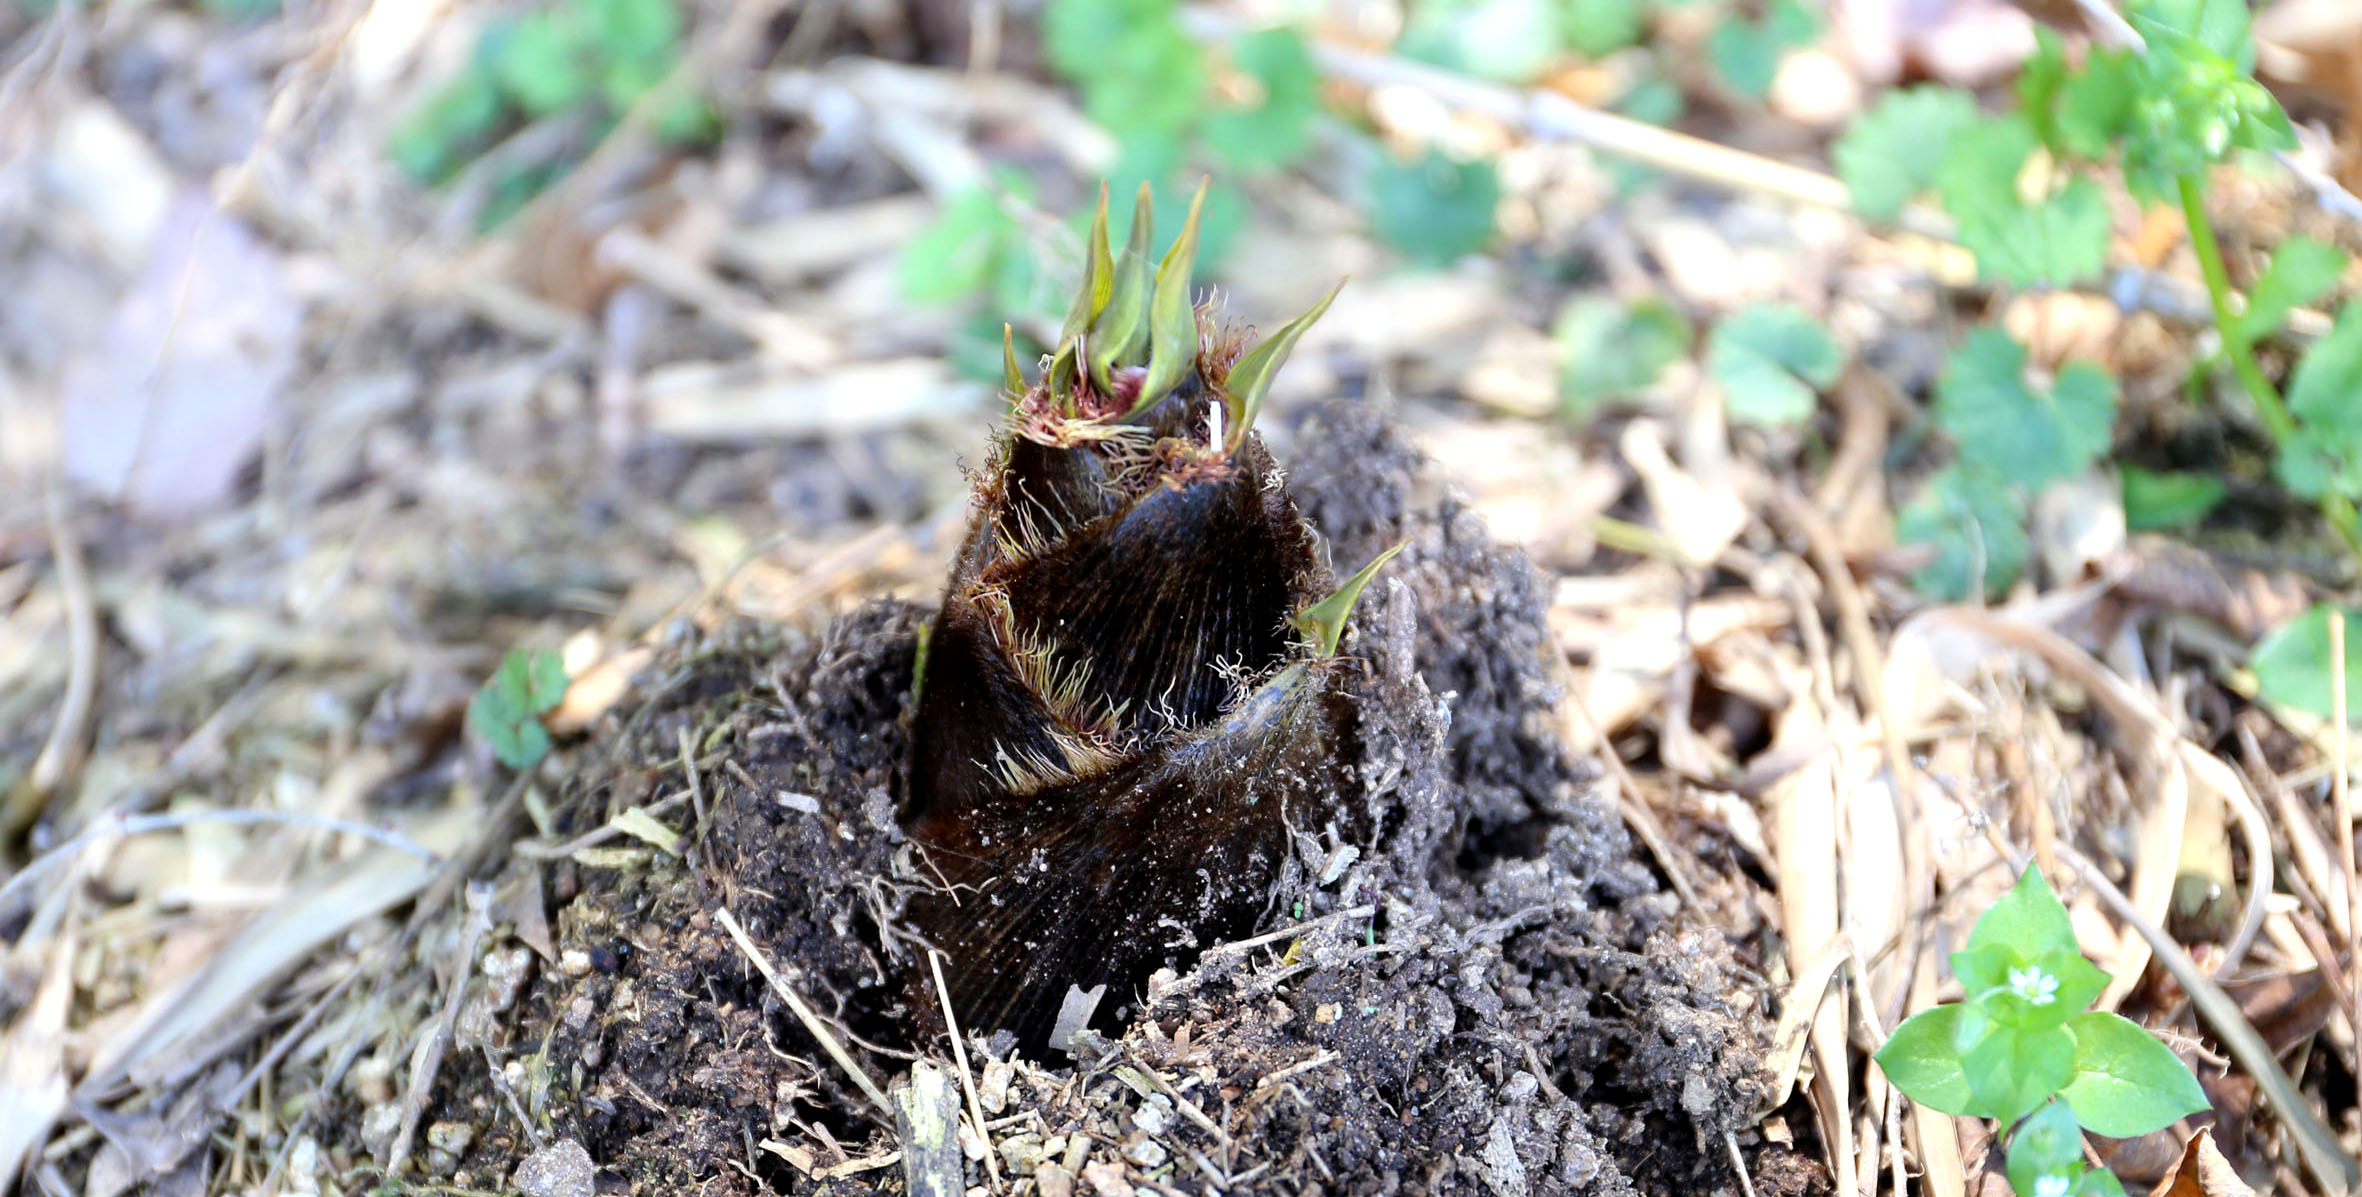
{"points": [[1144, 1151], [562, 1169], [1106, 1179]]}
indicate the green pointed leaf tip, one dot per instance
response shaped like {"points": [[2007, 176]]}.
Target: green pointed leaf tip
{"points": [[1250, 377], [2292, 665], [1172, 318], [1323, 623], [1772, 361], [1118, 332], [2029, 920], [2127, 1083], [1098, 277], [1012, 378]]}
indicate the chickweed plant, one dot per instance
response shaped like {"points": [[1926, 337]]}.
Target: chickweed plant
{"points": [[2024, 1049]]}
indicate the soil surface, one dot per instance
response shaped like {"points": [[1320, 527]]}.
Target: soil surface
{"points": [[1491, 995]]}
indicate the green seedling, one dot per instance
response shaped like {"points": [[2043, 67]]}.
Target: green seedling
{"points": [[1117, 719], [507, 711], [2023, 1049]]}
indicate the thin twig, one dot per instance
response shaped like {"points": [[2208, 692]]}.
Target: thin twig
{"points": [[131, 825], [1189, 1109], [804, 1014], [696, 789], [1335, 916], [61, 755], [429, 1062], [1551, 116], [2341, 812], [2261, 868], [959, 1056]]}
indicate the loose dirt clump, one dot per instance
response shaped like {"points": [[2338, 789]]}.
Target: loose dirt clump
{"points": [[1488, 994]]}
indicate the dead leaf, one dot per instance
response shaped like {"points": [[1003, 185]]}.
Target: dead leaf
{"points": [[173, 401], [32, 1057], [2203, 1173], [2180, 577], [1956, 41]]}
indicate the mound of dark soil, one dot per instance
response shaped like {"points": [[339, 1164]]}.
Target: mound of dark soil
{"points": [[1489, 995]]}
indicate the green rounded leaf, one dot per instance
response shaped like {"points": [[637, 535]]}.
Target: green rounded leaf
{"points": [[1920, 1060], [545, 685], [2302, 270], [1771, 360], [1436, 209], [1895, 150], [450, 128], [1976, 525], [2047, 1145], [541, 61], [1747, 53], [2125, 1082], [2292, 664], [2058, 238], [1139, 74], [1506, 41], [954, 257], [1598, 28], [2321, 392], [507, 710], [2030, 436], [2158, 501], [1609, 351], [1274, 130]]}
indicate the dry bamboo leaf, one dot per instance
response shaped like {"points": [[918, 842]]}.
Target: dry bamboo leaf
{"points": [[1700, 519], [1804, 818], [1876, 893], [1627, 665], [173, 1022], [1934, 1134], [1800, 1007], [32, 1057], [2180, 577]]}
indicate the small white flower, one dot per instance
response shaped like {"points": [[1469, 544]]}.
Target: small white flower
{"points": [[2051, 1186], [2038, 987]]}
